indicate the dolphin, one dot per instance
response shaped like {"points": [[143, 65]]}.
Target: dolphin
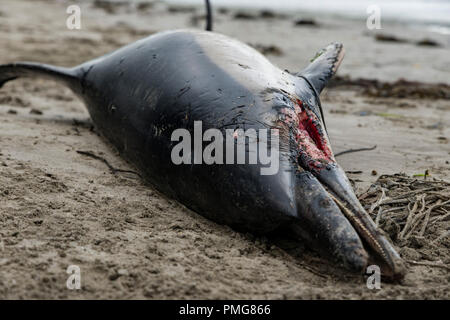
{"points": [[139, 95]]}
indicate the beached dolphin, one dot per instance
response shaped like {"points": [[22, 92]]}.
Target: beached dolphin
{"points": [[140, 94]]}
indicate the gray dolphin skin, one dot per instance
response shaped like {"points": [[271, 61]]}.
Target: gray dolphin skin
{"points": [[138, 95]]}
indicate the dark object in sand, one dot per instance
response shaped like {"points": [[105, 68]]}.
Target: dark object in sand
{"points": [[398, 89], [193, 81], [389, 38], [223, 10], [355, 150], [110, 6], [242, 15], [394, 39], [145, 5], [306, 22], [428, 43], [36, 112], [267, 14], [267, 49], [180, 9]]}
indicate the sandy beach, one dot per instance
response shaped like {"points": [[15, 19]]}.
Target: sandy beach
{"points": [[60, 208]]}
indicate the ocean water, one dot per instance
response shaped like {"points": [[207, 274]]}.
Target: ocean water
{"points": [[435, 13]]}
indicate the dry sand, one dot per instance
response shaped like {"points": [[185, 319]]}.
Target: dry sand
{"points": [[60, 208]]}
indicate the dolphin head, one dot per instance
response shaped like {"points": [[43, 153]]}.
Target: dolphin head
{"points": [[327, 209]]}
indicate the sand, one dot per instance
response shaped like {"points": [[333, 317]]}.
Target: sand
{"points": [[60, 208]]}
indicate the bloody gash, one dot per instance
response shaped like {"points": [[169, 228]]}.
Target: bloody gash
{"points": [[138, 95]]}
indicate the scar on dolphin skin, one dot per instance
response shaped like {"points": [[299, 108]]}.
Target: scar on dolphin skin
{"points": [[311, 197]]}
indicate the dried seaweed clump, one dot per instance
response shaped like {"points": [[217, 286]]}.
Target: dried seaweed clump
{"points": [[415, 213]]}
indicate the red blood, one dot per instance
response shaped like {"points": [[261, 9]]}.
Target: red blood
{"points": [[313, 145]]}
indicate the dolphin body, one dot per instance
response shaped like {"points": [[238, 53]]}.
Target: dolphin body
{"points": [[138, 95]]}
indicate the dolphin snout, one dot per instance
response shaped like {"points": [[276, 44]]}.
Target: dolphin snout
{"points": [[321, 223]]}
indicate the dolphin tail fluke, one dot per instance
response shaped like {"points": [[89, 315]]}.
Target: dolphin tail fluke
{"points": [[323, 66], [13, 71]]}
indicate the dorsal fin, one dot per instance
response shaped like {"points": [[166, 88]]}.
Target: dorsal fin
{"points": [[323, 66]]}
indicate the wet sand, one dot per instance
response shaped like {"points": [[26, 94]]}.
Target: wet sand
{"points": [[60, 208]]}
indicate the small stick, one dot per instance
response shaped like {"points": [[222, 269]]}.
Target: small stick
{"points": [[430, 264], [445, 216], [367, 194], [412, 193], [442, 236], [405, 200], [427, 219], [394, 209], [377, 219], [113, 169], [354, 150], [422, 214], [380, 200], [409, 218]]}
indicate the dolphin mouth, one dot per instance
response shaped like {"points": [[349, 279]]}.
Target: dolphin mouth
{"points": [[361, 240]]}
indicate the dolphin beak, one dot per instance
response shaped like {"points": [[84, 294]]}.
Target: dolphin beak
{"points": [[321, 223], [334, 179], [332, 220]]}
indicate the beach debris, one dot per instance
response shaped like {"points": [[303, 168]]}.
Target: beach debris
{"points": [[415, 213], [354, 172], [428, 43], [223, 10], [425, 174], [13, 101], [181, 9], [399, 89], [36, 112], [306, 22], [109, 6], [267, 14], [111, 168], [242, 15], [355, 150], [389, 38], [145, 5], [263, 14], [267, 49]]}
